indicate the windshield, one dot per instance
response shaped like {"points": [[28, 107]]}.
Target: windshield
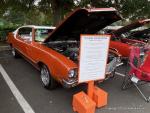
{"points": [[42, 34]]}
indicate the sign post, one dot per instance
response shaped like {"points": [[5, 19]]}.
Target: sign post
{"points": [[92, 65], [90, 90]]}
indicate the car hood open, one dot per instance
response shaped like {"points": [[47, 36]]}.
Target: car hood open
{"points": [[84, 21], [142, 32], [131, 26]]}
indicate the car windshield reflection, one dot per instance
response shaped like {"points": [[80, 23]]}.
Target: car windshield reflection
{"points": [[42, 34]]}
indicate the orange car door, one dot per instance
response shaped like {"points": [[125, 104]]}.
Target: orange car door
{"points": [[31, 51], [28, 42]]}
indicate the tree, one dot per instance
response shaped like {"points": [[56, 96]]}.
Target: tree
{"points": [[130, 9], [53, 11], [56, 8]]}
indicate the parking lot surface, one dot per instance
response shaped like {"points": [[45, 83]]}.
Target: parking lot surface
{"points": [[27, 80]]}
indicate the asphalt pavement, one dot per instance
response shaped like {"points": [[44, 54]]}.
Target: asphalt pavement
{"points": [[27, 80]]}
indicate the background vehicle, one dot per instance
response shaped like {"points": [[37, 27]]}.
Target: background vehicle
{"points": [[122, 41], [142, 35]]}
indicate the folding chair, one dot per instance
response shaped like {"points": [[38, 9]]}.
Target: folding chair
{"points": [[139, 73]]}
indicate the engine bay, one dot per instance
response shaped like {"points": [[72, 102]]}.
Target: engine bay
{"points": [[70, 49]]}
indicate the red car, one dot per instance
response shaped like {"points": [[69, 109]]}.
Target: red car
{"points": [[122, 42], [143, 35], [57, 55]]}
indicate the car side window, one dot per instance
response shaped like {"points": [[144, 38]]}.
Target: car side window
{"points": [[41, 34], [25, 33]]}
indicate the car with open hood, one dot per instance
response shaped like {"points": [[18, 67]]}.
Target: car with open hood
{"points": [[57, 56], [122, 41], [142, 35]]}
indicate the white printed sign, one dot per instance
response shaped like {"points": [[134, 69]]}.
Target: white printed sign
{"points": [[93, 57]]}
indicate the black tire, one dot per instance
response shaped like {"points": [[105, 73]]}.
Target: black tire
{"points": [[47, 80], [14, 52]]}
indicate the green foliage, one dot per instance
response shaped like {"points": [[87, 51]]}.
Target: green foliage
{"points": [[52, 11], [130, 9], [14, 13]]}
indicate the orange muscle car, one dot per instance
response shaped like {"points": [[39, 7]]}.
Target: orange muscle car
{"points": [[57, 55]]}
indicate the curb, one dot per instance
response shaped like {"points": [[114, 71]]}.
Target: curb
{"points": [[4, 48]]}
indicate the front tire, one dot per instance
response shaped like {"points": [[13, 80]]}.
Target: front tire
{"points": [[46, 78]]}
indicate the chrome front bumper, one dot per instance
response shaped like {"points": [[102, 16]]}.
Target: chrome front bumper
{"points": [[72, 82]]}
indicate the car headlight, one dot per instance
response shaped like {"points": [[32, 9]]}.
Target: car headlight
{"points": [[72, 73]]}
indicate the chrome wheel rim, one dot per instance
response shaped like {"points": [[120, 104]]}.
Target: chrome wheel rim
{"points": [[45, 76], [13, 51]]}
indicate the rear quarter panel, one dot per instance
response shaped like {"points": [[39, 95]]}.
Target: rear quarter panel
{"points": [[10, 38]]}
